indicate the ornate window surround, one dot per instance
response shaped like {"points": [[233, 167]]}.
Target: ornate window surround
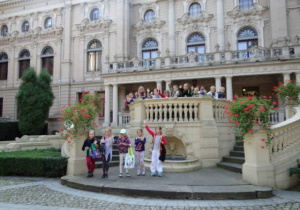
{"points": [[188, 3], [237, 2], [187, 33], [47, 55], [142, 41], [30, 26], [44, 20], [86, 9], [145, 7], [4, 24]]}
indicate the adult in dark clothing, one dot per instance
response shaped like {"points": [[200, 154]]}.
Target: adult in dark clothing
{"points": [[185, 91], [222, 94], [87, 145]]}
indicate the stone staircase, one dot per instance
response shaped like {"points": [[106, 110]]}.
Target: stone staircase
{"points": [[115, 157], [235, 160]]}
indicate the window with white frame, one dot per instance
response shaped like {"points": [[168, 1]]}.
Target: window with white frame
{"points": [[149, 51], [48, 23], [246, 4], [94, 55], [94, 15], [195, 10], [149, 16], [25, 26]]}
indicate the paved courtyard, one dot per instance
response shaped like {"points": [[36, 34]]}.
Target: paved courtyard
{"points": [[43, 193]]}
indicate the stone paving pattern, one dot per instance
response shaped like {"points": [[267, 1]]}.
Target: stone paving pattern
{"points": [[43, 193]]}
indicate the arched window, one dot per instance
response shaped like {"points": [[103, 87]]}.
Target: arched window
{"points": [[94, 15], [247, 38], [48, 23], [24, 62], [48, 59], [196, 43], [149, 51], [195, 10], [3, 66], [149, 16], [4, 30], [94, 55], [25, 27], [246, 4]]}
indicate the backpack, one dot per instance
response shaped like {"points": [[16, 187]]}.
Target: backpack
{"points": [[102, 148]]}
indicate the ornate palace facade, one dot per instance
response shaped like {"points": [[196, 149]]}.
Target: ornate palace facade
{"points": [[113, 46]]}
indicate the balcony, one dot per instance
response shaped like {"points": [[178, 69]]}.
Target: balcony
{"points": [[192, 59]]}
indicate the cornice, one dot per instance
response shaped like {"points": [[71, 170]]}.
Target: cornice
{"points": [[15, 3]]}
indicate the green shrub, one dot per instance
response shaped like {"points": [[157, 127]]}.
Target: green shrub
{"points": [[10, 130], [41, 163]]}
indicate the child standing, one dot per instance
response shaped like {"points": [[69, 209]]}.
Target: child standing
{"points": [[158, 141], [108, 140], [87, 145], [123, 144], [140, 142]]}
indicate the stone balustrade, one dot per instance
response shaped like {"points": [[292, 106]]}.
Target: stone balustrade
{"points": [[269, 165], [193, 59]]}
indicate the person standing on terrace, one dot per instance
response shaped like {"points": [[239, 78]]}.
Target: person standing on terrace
{"points": [[175, 93]]}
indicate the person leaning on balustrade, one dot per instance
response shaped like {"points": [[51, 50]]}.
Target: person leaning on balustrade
{"points": [[221, 94], [213, 92], [141, 93], [175, 91]]}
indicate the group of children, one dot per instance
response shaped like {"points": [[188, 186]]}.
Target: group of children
{"points": [[123, 145]]}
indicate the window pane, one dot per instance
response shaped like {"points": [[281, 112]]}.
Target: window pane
{"points": [[1, 107], [47, 64], [242, 46], [3, 71], [146, 55], [149, 16], [91, 61], [201, 49], [191, 49], [195, 9], [23, 65], [153, 54]]}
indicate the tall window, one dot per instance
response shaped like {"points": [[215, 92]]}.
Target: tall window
{"points": [[3, 66], [48, 59], [246, 4], [247, 38], [48, 23], [4, 30], [1, 107], [94, 15], [24, 62], [196, 43], [195, 10], [25, 27], [94, 55], [149, 16], [149, 51]]}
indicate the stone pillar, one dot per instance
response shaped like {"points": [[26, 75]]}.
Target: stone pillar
{"points": [[298, 78], [122, 29], [115, 105], [11, 71], [229, 93], [257, 168], [167, 85], [107, 106], [76, 161], [159, 84], [218, 83], [220, 25], [286, 77], [172, 42], [278, 10]]}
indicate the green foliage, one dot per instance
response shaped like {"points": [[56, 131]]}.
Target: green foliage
{"points": [[42, 163], [245, 111], [78, 117], [294, 171], [9, 131], [34, 99], [288, 92]]}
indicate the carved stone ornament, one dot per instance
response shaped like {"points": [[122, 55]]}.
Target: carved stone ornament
{"points": [[87, 24], [155, 24], [256, 9], [187, 19]]}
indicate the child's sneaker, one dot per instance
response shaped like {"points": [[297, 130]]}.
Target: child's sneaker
{"points": [[128, 175], [89, 174], [138, 174], [103, 176], [153, 174], [160, 174], [120, 175], [106, 175]]}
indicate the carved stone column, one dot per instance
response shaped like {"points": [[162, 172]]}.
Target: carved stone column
{"points": [[220, 25], [229, 93], [107, 106], [172, 41]]}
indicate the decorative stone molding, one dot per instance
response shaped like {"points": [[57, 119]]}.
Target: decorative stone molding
{"points": [[86, 24], [187, 4], [102, 5], [142, 25], [255, 10], [187, 19], [145, 7]]}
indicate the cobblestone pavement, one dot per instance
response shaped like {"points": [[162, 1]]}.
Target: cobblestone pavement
{"points": [[48, 194]]}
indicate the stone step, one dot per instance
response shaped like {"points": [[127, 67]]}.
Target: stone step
{"points": [[237, 153], [238, 148], [241, 144], [232, 159], [234, 167], [111, 164]]}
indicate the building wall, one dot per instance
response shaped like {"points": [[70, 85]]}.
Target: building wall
{"points": [[121, 33]]}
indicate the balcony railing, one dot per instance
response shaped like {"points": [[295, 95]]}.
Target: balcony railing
{"points": [[195, 59]]}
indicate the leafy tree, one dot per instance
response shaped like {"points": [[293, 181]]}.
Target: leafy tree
{"points": [[34, 99]]}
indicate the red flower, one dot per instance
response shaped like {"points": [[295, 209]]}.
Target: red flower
{"points": [[97, 126], [63, 106], [270, 97], [245, 109], [264, 96], [263, 109], [61, 130], [257, 122], [57, 111], [75, 120], [275, 103], [68, 99], [67, 137], [250, 106], [263, 139], [59, 119], [69, 142], [248, 112], [262, 147], [279, 90], [80, 134], [250, 131], [225, 123], [228, 133], [235, 96], [227, 100], [98, 115], [236, 115], [231, 121], [276, 108], [242, 102]]}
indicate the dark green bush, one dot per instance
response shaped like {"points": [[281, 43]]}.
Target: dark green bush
{"points": [[41, 167], [10, 130], [294, 171]]}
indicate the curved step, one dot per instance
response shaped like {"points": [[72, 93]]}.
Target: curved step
{"points": [[234, 167]]}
